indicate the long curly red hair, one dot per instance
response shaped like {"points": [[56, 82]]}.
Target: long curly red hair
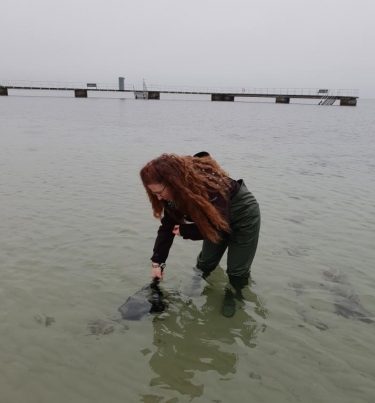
{"points": [[192, 182]]}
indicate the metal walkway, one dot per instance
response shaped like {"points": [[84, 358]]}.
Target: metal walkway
{"points": [[282, 95]]}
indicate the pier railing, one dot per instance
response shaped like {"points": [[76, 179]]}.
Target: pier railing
{"points": [[256, 90], [63, 85]]}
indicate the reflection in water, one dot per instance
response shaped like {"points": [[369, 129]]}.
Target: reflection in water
{"points": [[193, 337]]}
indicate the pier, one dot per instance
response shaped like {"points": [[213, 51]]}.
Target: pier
{"points": [[324, 96]]}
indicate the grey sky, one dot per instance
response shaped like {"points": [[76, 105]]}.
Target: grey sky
{"points": [[244, 43]]}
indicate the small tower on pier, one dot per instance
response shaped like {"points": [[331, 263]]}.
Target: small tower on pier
{"points": [[121, 83]]}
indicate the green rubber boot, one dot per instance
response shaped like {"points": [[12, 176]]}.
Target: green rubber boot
{"points": [[229, 304]]}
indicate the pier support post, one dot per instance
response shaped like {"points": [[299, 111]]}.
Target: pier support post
{"points": [[222, 97], [80, 93], [3, 91], [348, 101], [153, 95], [282, 100]]}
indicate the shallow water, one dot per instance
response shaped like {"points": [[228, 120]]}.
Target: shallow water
{"points": [[77, 234]]}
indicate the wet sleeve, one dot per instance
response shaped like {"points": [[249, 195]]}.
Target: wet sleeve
{"points": [[164, 239]]}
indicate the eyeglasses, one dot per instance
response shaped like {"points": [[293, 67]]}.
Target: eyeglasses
{"points": [[160, 192]]}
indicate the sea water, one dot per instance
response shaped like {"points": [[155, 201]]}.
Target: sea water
{"points": [[77, 234]]}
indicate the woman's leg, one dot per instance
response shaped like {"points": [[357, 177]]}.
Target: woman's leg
{"points": [[243, 240], [210, 256], [241, 252]]}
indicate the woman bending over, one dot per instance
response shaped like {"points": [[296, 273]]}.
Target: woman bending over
{"points": [[196, 199]]}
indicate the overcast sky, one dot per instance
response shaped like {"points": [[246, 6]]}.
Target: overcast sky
{"points": [[234, 43]]}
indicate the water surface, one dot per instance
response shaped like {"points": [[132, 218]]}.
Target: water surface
{"points": [[77, 234]]}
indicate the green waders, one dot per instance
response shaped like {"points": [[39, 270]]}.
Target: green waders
{"points": [[241, 242]]}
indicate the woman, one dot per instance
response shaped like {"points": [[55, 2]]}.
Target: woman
{"points": [[196, 199]]}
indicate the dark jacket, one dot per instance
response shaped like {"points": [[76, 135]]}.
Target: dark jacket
{"points": [[188, 230]]}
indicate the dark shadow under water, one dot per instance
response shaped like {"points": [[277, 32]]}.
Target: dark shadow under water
{"points": [[345, 300]]}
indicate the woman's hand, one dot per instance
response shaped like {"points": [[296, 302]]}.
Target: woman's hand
{"points": [[176, 230], [156, 271]]}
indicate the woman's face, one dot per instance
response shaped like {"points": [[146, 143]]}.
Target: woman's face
{"points": [[160, 190]]}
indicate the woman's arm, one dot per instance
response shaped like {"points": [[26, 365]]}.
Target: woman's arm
{"points": [[164, 239]]}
